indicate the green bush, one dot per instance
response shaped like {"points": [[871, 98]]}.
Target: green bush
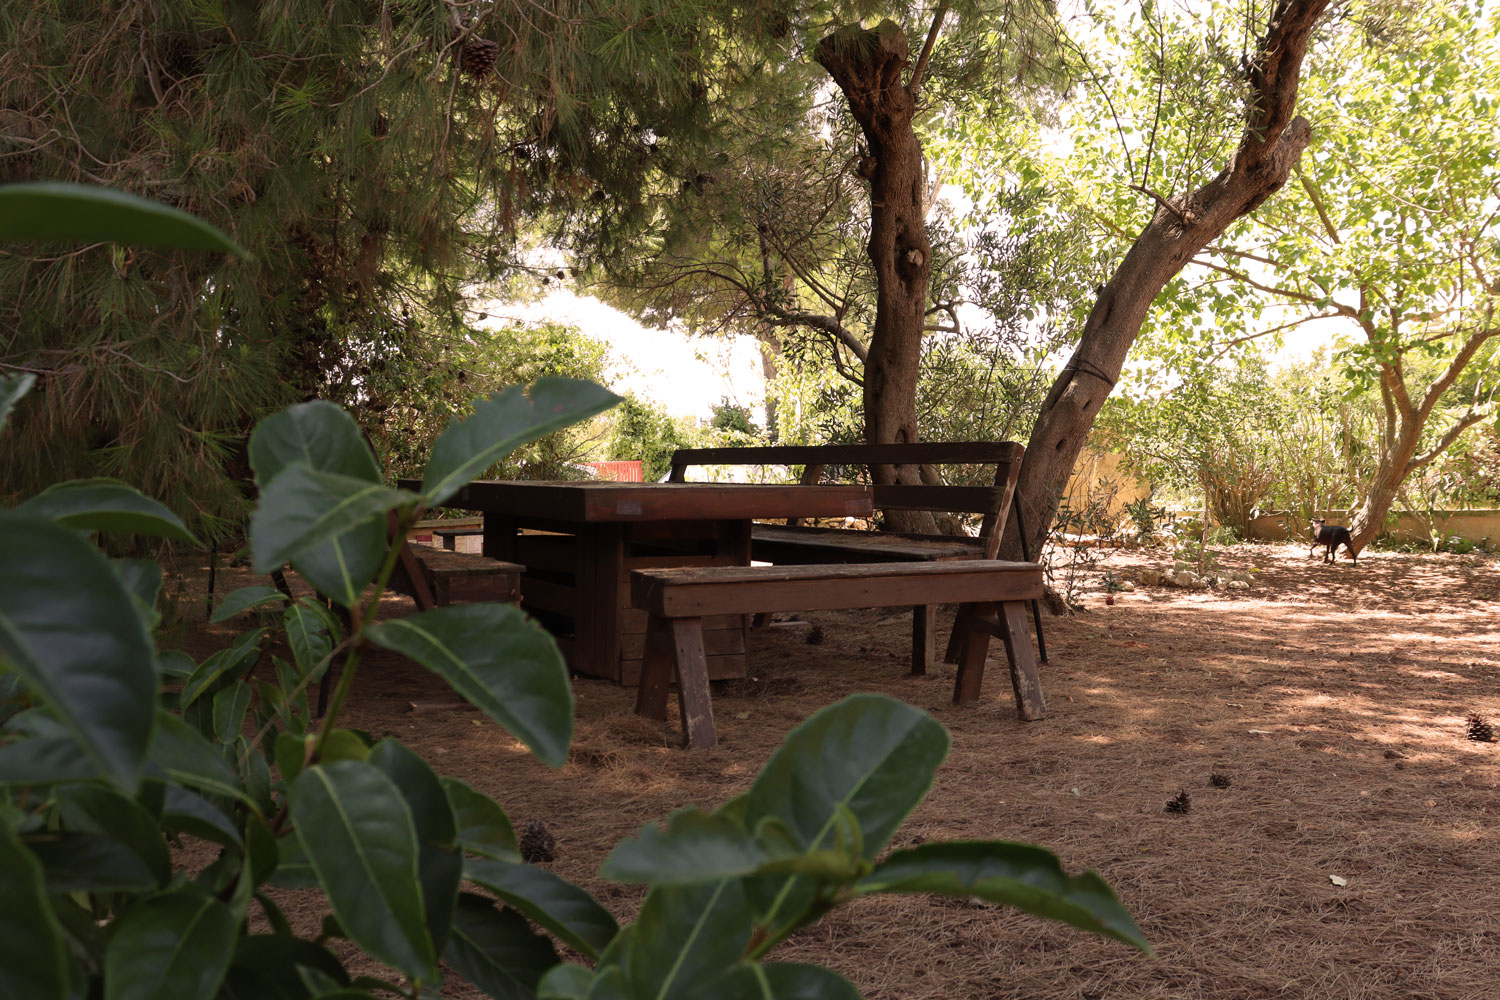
{"points": [[112, 749]]}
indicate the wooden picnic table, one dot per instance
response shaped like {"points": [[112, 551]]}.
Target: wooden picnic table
{"points": [[579, 542]]}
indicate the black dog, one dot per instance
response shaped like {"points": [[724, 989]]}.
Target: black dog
{"points": [[1332, 536]]}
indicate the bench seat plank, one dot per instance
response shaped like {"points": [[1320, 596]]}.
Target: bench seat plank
{"points": [[781, 543], [992, 595], [718, 590]]}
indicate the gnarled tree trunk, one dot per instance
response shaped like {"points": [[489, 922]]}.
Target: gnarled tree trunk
{"points": [[1269, 148], [1405, 420], [869, 65]]}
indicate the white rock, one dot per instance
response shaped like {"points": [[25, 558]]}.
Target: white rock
{"points": [[1238, 585]]}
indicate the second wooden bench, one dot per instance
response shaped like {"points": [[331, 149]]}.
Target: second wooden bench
{"points": [[992, 594]]}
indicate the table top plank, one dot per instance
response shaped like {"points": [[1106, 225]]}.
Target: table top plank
{"points": [[597, 501]]}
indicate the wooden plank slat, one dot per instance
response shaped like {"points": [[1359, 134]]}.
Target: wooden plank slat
{"points": [[923, 452], [463, 563], [720, 590], [966, 499], [545, 595], [777, 543], [721, 667], [548, 553], [698, 529], [715, 642], [602, 502], [633, 621]]}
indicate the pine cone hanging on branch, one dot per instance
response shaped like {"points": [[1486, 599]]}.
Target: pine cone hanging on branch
{"points": [[478, 56]]}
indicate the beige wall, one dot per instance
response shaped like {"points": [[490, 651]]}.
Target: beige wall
{"points": [[1475, 525], [1102, 475]]}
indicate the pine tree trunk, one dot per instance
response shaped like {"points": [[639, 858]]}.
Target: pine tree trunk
{"points": [[1272, 142], [869, 66]]}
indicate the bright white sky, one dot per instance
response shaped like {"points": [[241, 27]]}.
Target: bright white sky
{"points": [[687, 376]]}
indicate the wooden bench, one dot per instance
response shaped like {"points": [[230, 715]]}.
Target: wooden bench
{"points": [[427, 575], [992, 595], [450, 536], [797, 544]]}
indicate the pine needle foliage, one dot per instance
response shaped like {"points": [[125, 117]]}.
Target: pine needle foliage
{"points": [[372, 177]]}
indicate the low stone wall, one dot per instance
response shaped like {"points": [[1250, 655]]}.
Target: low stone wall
{"points": [[1482, 527]]}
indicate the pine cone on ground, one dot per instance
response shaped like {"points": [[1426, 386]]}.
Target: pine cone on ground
{"points": [[1180, 803], [478, 56], [537, 844], [1217, 780], [1480, 729]]}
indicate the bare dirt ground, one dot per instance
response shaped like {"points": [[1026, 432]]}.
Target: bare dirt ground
{"points": [[1334, 699]]}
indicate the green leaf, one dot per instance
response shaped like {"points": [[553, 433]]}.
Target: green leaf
{"points": [[496, 949], [554, 904], [318, 433], [175, 665], [33, 951], [483, 827], [439, 863], [102, 810], [107, 505], [357, 830], [327, 439], [498, 659], [502, 423], [189, 759], [89, 862], [12, 388], [54, 211], [44, 760], [244, 599], [239, 657], [567, 981], [869, 754], [695, 847], [142, 578], [684, 937], [70, 629], [290, 751], [294, 869], [307, 635], [610, 984], [271, 966], [188, 812], [783, 981], [230, 706], [1025, 876], [422, 790], [173, 947], [304, 507]]}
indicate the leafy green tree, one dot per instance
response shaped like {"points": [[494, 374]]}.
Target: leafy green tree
{"points": [[1190, 120], [645, 432], [1391, 235], [407, 402]]}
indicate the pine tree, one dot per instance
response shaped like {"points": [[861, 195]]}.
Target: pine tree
{"points": [[360, 154]]}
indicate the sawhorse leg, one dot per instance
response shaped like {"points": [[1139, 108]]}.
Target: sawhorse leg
{"points": [[675, 646], [1008, 622]]}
